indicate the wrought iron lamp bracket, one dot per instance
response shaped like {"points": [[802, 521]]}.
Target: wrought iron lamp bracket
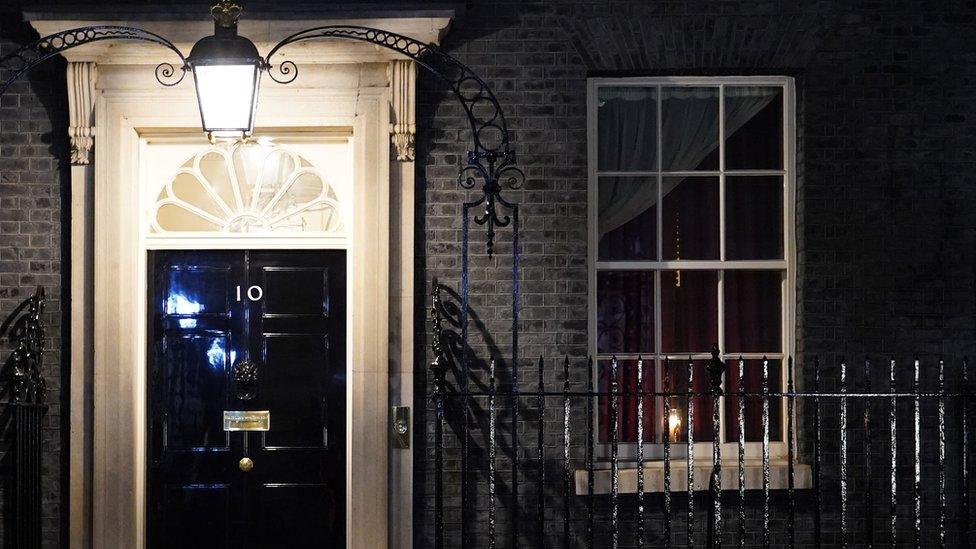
{"points": [[492, 160], [29, 56]]}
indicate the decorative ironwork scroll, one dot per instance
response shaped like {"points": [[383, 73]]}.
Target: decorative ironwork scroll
{"points": [[31, 55], [25, 331], [25, 388], [492, 158]]}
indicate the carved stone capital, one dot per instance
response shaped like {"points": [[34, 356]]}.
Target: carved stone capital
{"points": [[81, 110], [403, 85]]}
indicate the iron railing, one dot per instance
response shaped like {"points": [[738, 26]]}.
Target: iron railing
{"points": [[876, 461], [24, 389]]}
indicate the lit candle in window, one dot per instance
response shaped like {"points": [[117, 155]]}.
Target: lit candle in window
{"points": [[674, 425]]}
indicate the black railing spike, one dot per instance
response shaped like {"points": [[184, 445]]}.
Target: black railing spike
{"points": [[716, 369], [640, 452], [765, 453], [611, 516], [590, 509], [690, 459], [541, 452], [868, 465], [667, 453], [567, 468], [942, 456], [843, 454], [614, 464], [790, 454], [492, 448], [893, 445], [741, 446], [917, 484], [964, 451]]}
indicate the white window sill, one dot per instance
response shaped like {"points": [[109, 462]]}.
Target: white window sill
{"points": [[654, 477]]}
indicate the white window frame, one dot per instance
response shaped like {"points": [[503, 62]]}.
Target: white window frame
{"points": [[702, 450]]}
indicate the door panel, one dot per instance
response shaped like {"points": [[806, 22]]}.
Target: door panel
{"points": [[197, 515], [193, 374], [286, 509], [246, 330], [297, 390]]}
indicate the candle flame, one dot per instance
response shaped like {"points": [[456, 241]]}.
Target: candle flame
{"points": [[674, 425]]}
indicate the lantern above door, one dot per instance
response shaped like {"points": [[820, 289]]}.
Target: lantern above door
{"points": [[226, 71]]}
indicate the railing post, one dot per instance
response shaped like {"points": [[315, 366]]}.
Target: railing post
{"points": [[667, 453], [438, 368], [27, 393], [716, 371]]}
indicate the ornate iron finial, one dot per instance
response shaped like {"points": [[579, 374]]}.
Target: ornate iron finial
{"points": [[27, 335], [716, 368], [492, 168], [226, 13]]}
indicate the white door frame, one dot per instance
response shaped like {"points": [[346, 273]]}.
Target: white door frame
{"points": [[337, 87], [123, 116]]}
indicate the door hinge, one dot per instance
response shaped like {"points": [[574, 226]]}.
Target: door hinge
{"points": [[400, 427]]}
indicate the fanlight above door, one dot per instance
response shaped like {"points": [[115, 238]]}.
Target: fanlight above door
{"points": [[247, 188]]}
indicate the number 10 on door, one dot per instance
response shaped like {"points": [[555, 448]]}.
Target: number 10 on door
{"points": [[254, 293]]}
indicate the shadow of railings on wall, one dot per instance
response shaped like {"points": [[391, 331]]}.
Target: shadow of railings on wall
{"points": [[733, 451]]}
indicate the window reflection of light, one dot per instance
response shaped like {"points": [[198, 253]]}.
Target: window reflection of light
{"points": [[215, 355], [179, 304], [188, 323]]}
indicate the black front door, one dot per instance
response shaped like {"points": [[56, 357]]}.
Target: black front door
{"points": [[234, 334]]}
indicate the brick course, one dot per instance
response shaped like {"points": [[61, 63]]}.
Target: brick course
{"points": [[885, 230], [33, 182], [885, 236]]}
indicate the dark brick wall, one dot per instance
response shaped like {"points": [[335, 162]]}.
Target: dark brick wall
{"points": [[885, 229], [885, 233], [33, 186]]}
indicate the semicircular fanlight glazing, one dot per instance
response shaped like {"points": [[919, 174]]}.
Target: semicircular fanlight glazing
{"points": [[247, 188]]}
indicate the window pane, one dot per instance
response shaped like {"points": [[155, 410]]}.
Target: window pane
{"points": [[754, 217], [752, 414], [676, 382], [689, 128], [689, 311], [691, 220], [625, 312], [753, 311], [626, 405], [627, 129], [627, 218], [753, 128]]}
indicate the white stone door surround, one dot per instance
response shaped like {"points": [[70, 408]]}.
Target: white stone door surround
{"points": [[116, 104]]}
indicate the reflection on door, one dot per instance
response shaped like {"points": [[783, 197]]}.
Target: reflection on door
{"points": [[246, 331]]}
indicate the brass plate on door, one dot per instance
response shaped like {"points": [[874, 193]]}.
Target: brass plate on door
{"points": [[247, 420]]}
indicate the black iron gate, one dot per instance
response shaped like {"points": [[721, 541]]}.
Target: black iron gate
{"points": [[25, 390]]}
